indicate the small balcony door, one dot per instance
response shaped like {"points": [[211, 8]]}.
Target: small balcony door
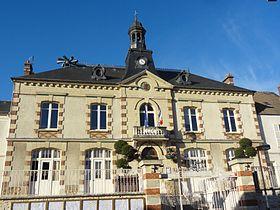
{"points": [[44, 177], [98, 177]]}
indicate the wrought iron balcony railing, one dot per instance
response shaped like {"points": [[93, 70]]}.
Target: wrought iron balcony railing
{"points": [[70, 182], [150, 132]]}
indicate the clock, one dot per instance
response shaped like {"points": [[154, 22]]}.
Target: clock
{"points": [[142, 61]]}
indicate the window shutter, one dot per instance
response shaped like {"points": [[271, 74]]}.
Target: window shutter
{"points": [[277, 133]]}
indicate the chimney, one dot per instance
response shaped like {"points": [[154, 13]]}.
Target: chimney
{"points": [[229, 79], [28, 69]]}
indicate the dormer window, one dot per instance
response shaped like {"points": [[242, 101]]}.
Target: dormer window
{"points": [[98, 73], [183, 78]]}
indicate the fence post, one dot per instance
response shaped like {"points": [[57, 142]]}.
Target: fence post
{"points": [[245, 182], [151, 183]]}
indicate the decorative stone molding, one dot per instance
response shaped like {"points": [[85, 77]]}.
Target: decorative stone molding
{"points": [[50, 133], [99, 134], [124, 119], [239, 133], [196, 135], [14, 115], [69, 85]]}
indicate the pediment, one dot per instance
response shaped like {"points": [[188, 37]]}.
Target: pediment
{"points": [[148, 77]]}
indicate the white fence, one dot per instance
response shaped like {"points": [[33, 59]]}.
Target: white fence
{"points": [[202, 190], [71, 182]]}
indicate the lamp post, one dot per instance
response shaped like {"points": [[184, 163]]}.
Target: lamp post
{"points": [[179, 165], [263, 147]]}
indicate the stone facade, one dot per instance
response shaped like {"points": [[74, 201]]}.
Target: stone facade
{"points": [[123, 104], [4, 132]]}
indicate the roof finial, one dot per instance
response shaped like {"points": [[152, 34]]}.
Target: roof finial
{"points": [[135, 15]]}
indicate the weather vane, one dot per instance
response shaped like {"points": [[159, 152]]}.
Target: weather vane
{"points": [[135, 14], [67, 62]]}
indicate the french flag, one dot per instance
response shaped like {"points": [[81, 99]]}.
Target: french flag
{"points": [[160, 119]]}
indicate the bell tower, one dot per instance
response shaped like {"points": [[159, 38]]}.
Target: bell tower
{"points": [[138, 57], [136, 34]]}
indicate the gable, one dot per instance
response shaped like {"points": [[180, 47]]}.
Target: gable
{"points": [[147, 76]]}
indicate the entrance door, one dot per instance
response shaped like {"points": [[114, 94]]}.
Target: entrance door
{"points": [[97, 180], [44, 179], [44, 182], [98, 163]]}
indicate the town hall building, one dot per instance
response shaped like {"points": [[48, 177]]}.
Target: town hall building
{"points": [[65, 123]]}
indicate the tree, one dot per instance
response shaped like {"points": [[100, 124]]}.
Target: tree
{"points": [[129, 153], [245, 149]]}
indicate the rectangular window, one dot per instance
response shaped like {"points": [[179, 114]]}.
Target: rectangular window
{"points": [[49, 115], [107, 169], [190, 119], [229, 120], [98, 117], [277, 133]]}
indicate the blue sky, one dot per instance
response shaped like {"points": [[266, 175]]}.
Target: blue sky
{"points": [[210, 37]]}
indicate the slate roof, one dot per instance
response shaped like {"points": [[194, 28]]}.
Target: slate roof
{"points": [[267, 103], [115, 75], [5, 107]]}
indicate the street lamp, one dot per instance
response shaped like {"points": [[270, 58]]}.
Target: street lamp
{"points": [[263, 147], [192, 137]]}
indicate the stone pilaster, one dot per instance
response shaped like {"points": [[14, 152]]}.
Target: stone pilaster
{"points": [[151, 181], [245, 183]]}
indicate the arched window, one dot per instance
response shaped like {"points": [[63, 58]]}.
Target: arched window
{"points": [[98, 170], [45, 166], [149, 153], [147, 115], [195, 159], [133, 37], [138, 36], [49, 115]]}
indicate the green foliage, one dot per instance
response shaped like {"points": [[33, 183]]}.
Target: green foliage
{"points": [[122, 163], [119, 145], [128, 152], [245, 142], [245, 149], [239, 153], [250, 152]]}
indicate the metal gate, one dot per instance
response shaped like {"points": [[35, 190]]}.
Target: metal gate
{"points": [[213, 193]]}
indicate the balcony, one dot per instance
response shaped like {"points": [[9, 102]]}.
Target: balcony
{"points": [[150, 132], [70, 182]]}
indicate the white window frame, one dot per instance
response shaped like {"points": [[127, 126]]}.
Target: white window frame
{"points": [[147, 112], [276, 128], [103, 156], [229, 122], [98, 117], [52, 160], [200, 156], [230, 154], [190, 119], [50, 109]]}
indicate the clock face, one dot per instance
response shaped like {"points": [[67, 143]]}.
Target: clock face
{"points": [[142, 61]]}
